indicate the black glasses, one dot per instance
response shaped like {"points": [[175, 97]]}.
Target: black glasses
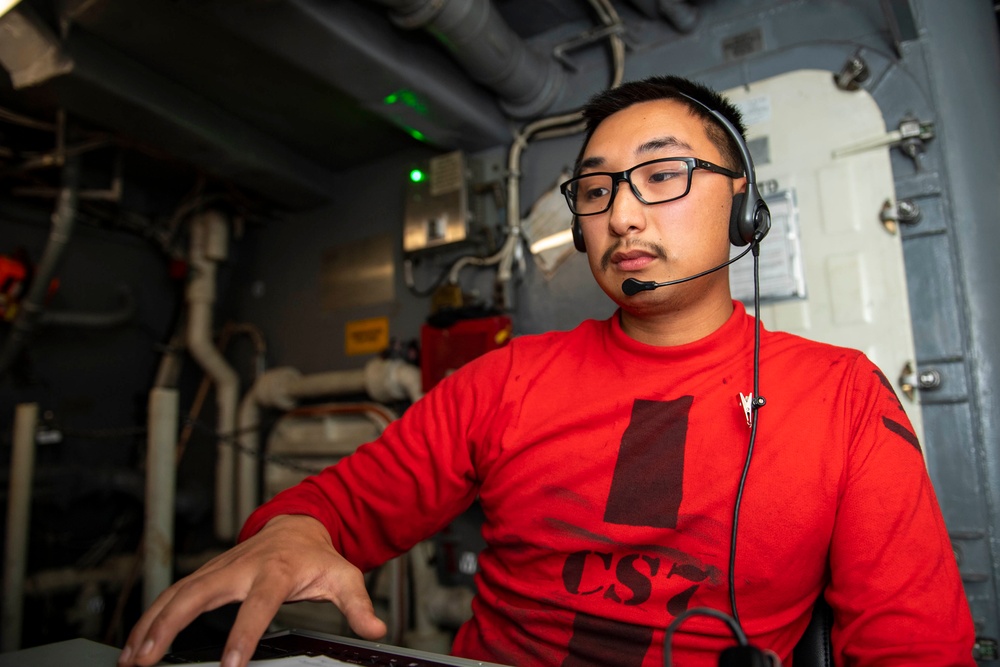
{"points": [[653, 182]]}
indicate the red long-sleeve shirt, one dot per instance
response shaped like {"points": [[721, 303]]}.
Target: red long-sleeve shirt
{"points": [[607, 470]]}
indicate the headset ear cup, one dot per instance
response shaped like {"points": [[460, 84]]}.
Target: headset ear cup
{"points": [[762, 220], [578, 236], [736, 218]]}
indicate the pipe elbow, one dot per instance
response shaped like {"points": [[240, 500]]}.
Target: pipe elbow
{"points": [[392, 380], [274, 388]]}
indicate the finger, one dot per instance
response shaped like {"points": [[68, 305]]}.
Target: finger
{"points": [[138, 636], [251, 622], [138, 641], [353, 600], [184, 602], [361, 617]]}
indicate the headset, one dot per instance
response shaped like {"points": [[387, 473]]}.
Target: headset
{"points": [[750, 219]]}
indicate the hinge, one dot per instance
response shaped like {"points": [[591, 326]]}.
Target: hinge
{"points": [[905, 212], [910, 380]]}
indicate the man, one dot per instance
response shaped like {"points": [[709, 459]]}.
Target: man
{"points": [[608, 459]]}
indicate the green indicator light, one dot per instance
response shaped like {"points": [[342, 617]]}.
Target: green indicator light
{"points": [[407, 98], [417, 176], [417, 134]]}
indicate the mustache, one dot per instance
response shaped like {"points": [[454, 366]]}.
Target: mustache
{"points": [[633, 245]]}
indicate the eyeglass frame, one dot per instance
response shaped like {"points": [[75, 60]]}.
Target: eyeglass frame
{"points": [[617, 177]]}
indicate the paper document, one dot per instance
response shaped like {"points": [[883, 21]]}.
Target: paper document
{"points": [[290, 661]]}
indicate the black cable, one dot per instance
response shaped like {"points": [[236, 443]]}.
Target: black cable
{"points": [[744, 650], [668, 638], [757, 403]]}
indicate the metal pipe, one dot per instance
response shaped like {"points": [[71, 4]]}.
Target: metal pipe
{"points": [[490, 51], [62, 227], [22, 465], [207, 247], [680, 14], [158, 539], [89, 320]]}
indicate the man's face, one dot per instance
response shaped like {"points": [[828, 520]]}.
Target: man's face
{"points": [[659, 242]]}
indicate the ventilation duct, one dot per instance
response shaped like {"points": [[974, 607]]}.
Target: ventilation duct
{"points": [[481, 42]]}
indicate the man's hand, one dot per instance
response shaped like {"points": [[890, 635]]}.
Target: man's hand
{"points": [[290, 559]]}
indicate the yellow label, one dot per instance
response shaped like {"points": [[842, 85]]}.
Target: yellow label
{"points": [[366, 336]]}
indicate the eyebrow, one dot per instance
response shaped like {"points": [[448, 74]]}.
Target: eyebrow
{"points": [[644, 148]]}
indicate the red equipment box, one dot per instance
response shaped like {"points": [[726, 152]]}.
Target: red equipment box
{"points": [[444, 350]]}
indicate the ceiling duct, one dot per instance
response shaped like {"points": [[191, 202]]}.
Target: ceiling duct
{"points": [[481, 41]]}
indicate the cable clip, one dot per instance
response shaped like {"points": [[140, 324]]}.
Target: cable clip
{"points": [[747, 403]]}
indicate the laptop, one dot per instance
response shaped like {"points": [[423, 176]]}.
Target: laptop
{"points": [[345, 649]]}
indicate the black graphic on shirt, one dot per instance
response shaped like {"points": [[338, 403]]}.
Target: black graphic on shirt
{"points": [[888, 385], [903, 432], [894, 426], [599, 642], [646, 490], [629, 585]]}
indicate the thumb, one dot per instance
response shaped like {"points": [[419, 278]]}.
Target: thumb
{"points": [[361, 617]]}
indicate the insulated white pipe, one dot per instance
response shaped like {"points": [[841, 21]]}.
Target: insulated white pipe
{"points": [[247, 484], [333, 383], [110, 574], [22, 464], [424, 635], [381, 379], [158, 540], [208, 231], [392, 380]]}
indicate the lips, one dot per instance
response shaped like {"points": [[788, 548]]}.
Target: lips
{"points": [[633, 260]]}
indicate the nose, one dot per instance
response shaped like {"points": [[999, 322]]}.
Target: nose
{"points": [[627, 214]]}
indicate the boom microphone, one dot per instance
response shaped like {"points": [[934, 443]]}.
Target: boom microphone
{"points": [[631, 287]]}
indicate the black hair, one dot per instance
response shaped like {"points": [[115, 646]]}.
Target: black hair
{"points": [[654, 88]]}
